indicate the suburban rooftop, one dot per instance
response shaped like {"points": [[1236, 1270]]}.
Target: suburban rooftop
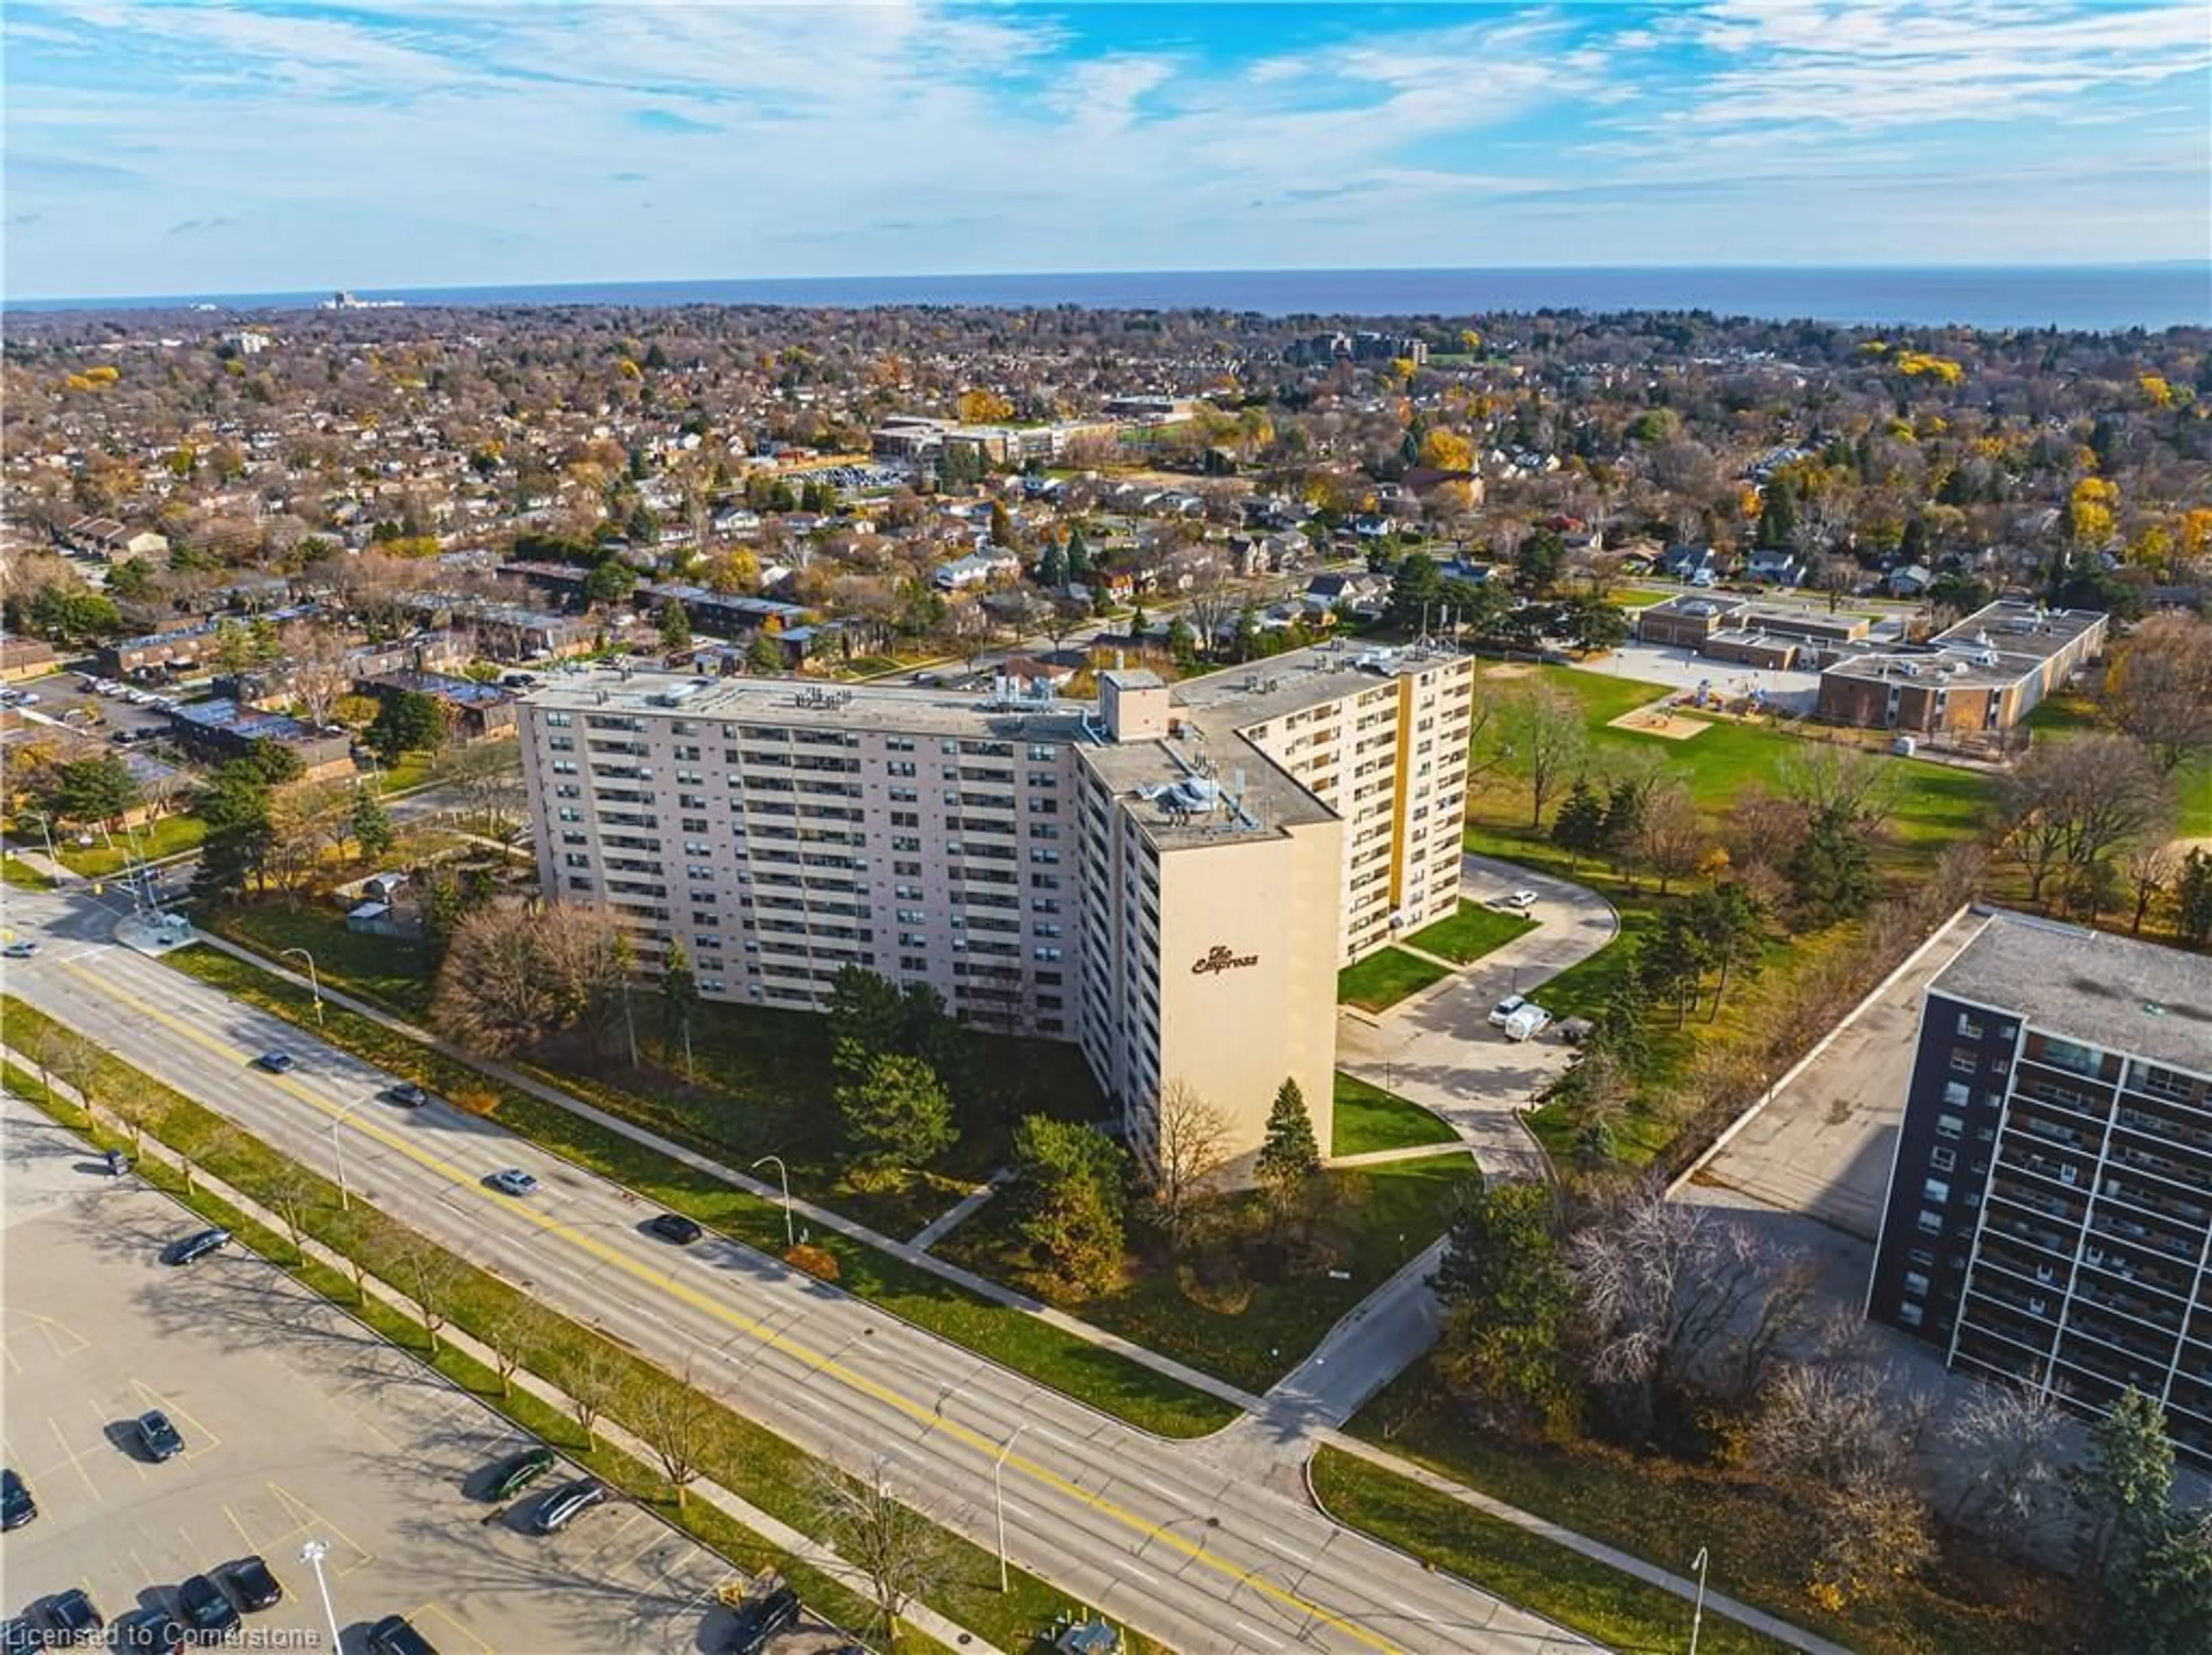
{"points": [[2113, 992]]}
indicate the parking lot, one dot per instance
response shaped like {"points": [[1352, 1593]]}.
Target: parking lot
{"points": [[297, 1426], [66, 698]]}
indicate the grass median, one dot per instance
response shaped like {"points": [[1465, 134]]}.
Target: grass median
{"points": [[746, 1458], [1012, 1337], [1368, 1119]]}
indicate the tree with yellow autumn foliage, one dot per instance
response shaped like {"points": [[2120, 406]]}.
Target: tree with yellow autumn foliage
{"points": [[981, 407], [1447, 451]]}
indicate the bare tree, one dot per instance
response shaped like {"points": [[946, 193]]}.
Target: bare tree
{"points": [[430, 1276], [490, 778], [2159, 687], [78, 1062], [592, 1379], [2070, 803], [1545, 730], [291, 1197], [2151, 866], [1193, 1145], [317, 670], [1675, 1296], [901, 1551], [1669, 836], [2007, 1439], [510, 1336], [515, 975], [675, 1420], [1842, 784]]}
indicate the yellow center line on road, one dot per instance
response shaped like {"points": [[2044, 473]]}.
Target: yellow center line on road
{"points": [[819, 1362]]}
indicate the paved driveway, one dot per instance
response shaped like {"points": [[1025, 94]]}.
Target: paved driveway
{"points": [[1439, 1049]]}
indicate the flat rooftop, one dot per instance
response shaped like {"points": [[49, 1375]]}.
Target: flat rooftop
{"points": [[1241, 697], [2113, 992], [901, 709], [1994, 647], [1178, 807]]}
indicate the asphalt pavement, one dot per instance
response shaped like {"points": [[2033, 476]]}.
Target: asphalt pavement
{"points": [[1173, 1538]]}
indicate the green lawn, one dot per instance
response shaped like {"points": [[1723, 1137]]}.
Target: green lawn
{"points": [[2069, 714], [1020, 1341], [1618, 1610], [1383, 979], [388, 971], [23, 875], [168, 836], [1662, 1511], [1369, 1118], [1248, 1330], [1472, 932]]}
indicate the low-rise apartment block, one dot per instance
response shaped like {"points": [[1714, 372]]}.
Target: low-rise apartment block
{"points": [[2049, 1219], [1169, 878], [1981, 677]]}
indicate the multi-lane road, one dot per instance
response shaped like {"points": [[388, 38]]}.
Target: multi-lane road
{"points": [[1155, 1533]]}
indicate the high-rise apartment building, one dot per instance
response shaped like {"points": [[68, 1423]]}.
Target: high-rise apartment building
{"points": [[2050, 1210], [1170, 878]]}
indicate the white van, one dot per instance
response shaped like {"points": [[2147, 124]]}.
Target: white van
{"points": [[1527, 1023]]}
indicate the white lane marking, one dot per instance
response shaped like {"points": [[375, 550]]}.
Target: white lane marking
{"points": [[1281, 1550], [1254, 1632]]}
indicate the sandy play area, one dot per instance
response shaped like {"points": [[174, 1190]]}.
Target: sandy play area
{"points": [[1657, 721], [1508, 669]]}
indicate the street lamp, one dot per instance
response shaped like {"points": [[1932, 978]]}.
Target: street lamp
{"points": [[314, 982], [790, 1241], [337, 1154], [1697, 1615], [312, 1555], [46, 831], [999, 1497]]}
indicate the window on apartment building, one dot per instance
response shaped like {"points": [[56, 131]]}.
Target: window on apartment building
{"points": [[1915, 1284], [578, 882], [1930, 1222], [1936, 1190], [560, 744], [559, 720], [698, 848], [566, 814], [1964, 1060], [577, 859], [1958, 1093], [1968, 1028], [1049, 956], [1943, 1159], [906, 870], [1042, 752], [693, 824], [1950, 1126], [1923, 1256], [1044, 807], [1911, 1315], [906, 819], [564, 767]]}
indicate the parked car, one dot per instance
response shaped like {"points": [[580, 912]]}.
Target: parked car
{"points": [[1519, 901], [1503, 1010], [161, 1440], [207, 1607], [251, 1584], [396, 1635], [16, 1506], [512, 1181], [156, 1632], [1528, 1022], [276, 1062], [73, 1614], [568, 1503], [674, 1227], [518, 1473], [21, 950], [194, 1248], [407, 1095], [760, 1619]]}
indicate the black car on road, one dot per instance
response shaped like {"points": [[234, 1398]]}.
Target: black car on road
{"points": [[276, 1062], [16, 1506], [194, 1248], [760, 1619], [407, 1095], [207, 1608], [395, 1635], [251, 1582], [674, 1227]]}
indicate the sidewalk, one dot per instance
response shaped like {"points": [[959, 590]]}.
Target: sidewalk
{"points": [[905, 1251], [772, 1529]]}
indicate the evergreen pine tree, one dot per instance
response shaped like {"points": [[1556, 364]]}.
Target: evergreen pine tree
{"points": [[1579, 828], [1289, 1154]]}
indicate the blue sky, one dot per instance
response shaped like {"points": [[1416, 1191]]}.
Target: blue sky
{"points": [[161, 146]]}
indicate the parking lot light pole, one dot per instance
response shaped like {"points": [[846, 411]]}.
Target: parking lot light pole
{"points": [[337, 1154], [1697, 1615], [312, 1555], [999, 1497], [314, 982], [790, 1241]]}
